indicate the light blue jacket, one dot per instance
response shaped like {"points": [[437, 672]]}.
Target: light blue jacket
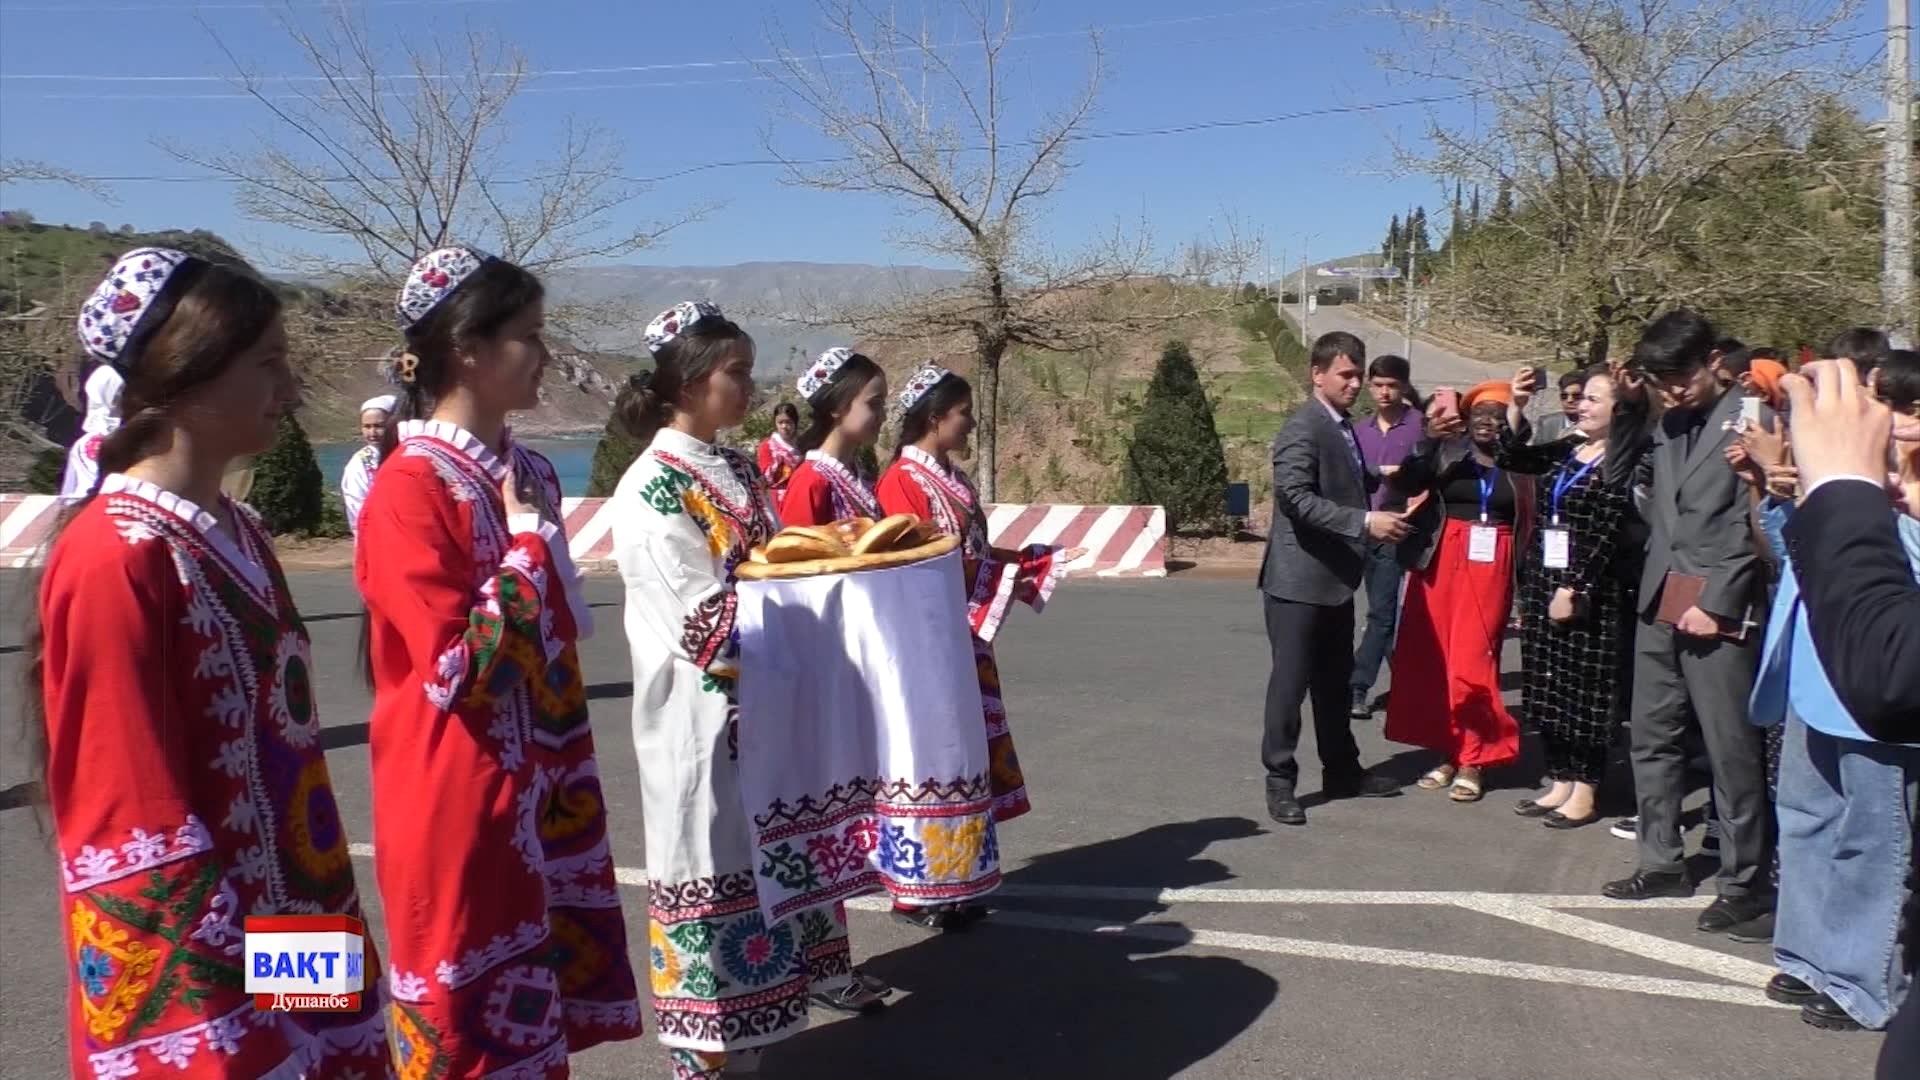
{"points": [[1791, 675]]}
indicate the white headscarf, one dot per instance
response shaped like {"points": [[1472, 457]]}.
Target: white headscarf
{"points": [[103, 401], [385, 403]]}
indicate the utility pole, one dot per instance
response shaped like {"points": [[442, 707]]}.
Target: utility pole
{"points": [[1306, 335], [1896, 281], [1406, 328]]}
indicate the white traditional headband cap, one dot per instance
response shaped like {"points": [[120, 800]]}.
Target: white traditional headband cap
{"points": [[433, 278], [385, 403], [816, 377], [677, 320], [918, 384], [109, 317]]}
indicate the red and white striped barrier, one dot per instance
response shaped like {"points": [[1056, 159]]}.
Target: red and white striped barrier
{"points": [[1121, 541], [25, 521]]}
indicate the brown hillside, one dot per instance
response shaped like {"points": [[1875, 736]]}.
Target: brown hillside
{"points": [[1066, 418]]}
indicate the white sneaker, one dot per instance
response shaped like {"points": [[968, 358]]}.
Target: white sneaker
{"points": [[1627, 828]]}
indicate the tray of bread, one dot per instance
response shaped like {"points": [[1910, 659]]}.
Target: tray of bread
{"points": [[845, 547]]}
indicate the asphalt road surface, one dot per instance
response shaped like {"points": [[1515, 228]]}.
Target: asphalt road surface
{"points": [[1154, 924], [1432, 365]]}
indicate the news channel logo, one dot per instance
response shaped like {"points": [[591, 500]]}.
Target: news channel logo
{"points": [[306, 963]]}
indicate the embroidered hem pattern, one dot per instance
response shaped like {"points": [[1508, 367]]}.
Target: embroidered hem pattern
{"points": [[927, 843], [722, 979]]}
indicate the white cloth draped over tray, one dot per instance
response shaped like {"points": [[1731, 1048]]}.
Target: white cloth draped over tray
{"points": [[863, 762]]}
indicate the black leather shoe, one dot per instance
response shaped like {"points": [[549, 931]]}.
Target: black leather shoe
{"points": [[1557, 820], [1788, 990], [1360, 785], [1285, 809], [1644, 885], [1755, 931], [1826, 1014], [1529, 808], [1727, 912]]}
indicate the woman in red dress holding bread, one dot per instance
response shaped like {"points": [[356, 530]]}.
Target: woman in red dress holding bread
{"points": [[936, 408]]}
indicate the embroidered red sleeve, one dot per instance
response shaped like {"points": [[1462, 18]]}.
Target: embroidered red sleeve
{"points": [[898, 494], [809, 499], [417, 574]]}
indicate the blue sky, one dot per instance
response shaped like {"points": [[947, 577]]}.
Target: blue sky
{"points": [[693, 101]]}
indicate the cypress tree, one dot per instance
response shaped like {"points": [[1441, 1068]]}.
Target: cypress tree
{"points": [[288, 490], [1175, 459], [610, 459]]}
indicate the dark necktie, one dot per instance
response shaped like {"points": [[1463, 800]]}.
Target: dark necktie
{"points": [[1353, 446], [1695, 425]]}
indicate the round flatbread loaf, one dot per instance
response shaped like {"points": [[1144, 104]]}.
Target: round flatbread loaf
{"points": [[853, 528], [795, 546], [886, 534], [825, 534]]}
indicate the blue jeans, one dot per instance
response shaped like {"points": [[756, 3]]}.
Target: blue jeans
{"points": [[1846, 813], [1383, 574]]}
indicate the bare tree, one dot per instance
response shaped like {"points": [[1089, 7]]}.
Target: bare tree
{"points": [[29, 171], [398, 155], [926, 123], [1621, 128]]}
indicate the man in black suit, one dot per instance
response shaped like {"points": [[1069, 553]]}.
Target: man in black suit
{"points": [[1316, 554], [1862, 604], [1703, 573]]}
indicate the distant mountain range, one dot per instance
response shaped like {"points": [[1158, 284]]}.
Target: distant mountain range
{"points": [[761, 296]]}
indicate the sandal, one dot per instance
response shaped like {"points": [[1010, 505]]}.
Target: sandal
{"points": [[1467, 786], [936, 918], [874, 983], [1440, 777], [853, 999]]}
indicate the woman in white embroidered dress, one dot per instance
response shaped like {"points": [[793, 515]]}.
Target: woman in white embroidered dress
{"points": [[376, 414], [685, 515], [182, 761], [847, 393]]}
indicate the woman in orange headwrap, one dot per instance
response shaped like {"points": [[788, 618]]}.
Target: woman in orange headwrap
{"points": [[1446, 658], [1762, 379]]}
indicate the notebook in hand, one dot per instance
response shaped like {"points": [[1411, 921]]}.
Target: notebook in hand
{"points": [[1678, 592]]}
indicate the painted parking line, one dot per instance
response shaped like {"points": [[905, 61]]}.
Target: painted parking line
{"points": [[1735, 981]]}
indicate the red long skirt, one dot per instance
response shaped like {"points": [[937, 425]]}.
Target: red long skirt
{"points": [[1446, 656]]}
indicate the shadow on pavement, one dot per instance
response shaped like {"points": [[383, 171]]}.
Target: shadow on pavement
{"points": [[602, 691], [1008, 1001]]}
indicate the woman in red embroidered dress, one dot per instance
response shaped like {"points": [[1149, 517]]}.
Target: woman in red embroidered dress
{"points": [[847, 393], [184, 769], [778, 456], [936, 409], [506, 939]]}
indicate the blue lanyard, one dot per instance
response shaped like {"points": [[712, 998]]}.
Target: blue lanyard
{"points": [[1488, 477], [1566, 482]]}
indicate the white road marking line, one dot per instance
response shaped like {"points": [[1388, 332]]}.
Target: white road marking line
{"points": [[1402, 958], [1534, 910], [1356, 897], [1621, 939]]}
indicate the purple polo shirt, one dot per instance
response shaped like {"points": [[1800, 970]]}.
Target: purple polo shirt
{"points": [[1387, 448]]}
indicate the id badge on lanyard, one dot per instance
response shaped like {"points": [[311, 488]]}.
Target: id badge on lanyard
{"points": [[1483, 540], [1556, 541]]}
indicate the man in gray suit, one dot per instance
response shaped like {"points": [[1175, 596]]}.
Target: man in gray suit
{"points": [[1316, 554], [1702, 594]]}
